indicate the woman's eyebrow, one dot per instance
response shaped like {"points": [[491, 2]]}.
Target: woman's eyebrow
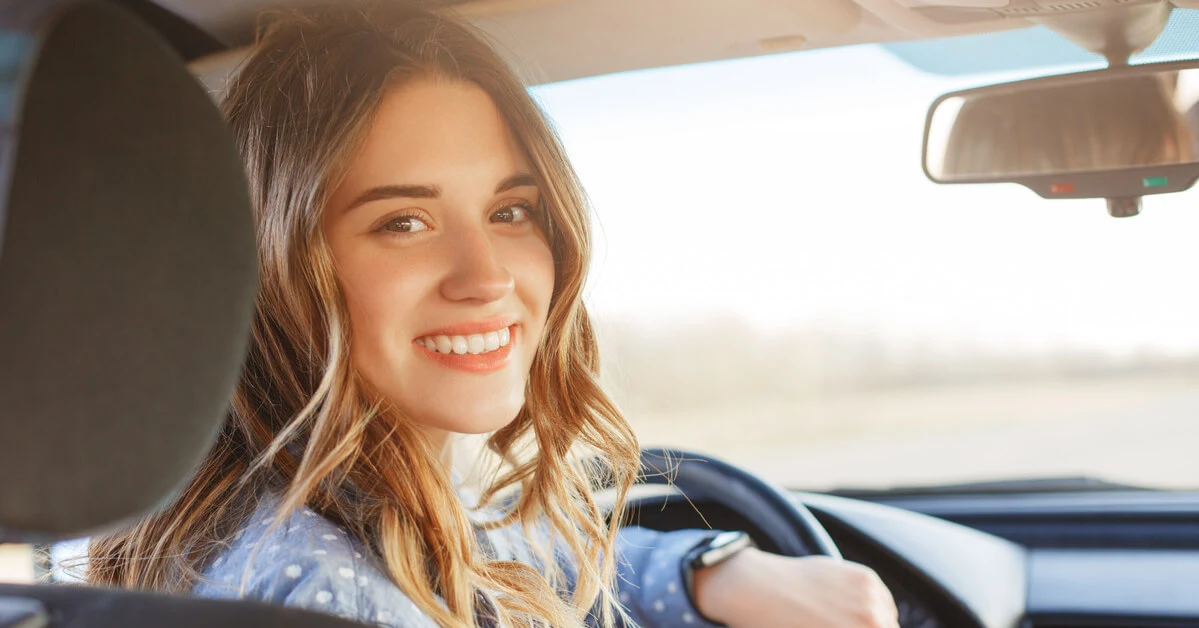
{"points": [[516, 181], [384, 192]]}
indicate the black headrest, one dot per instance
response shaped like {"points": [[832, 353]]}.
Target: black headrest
{"points": [[127, 270]]}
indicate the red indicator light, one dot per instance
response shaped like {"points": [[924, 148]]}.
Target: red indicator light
{"points": [[1062, 188]]}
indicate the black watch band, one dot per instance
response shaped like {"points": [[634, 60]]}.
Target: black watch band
{"points": [[713, 551]]}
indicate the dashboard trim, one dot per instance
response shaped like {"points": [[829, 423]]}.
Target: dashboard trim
{"points": [[1162, 584], [987, 576]]}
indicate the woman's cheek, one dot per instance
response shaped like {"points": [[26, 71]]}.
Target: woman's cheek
{"points": [[381, 294], [536, 285], [538, 267]]}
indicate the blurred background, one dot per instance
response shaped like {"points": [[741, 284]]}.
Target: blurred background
{"points": [[777, 283]]}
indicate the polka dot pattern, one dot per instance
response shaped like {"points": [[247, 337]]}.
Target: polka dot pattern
{"points": [[309, 562], [651, 571]]}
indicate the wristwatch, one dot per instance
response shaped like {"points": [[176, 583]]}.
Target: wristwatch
{"points": [[710, 553]]}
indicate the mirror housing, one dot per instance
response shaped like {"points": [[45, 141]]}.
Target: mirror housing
{"points": [[1117, 133]]}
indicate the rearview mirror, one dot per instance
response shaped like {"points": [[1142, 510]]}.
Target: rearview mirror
{"points": [[1118, 133]]}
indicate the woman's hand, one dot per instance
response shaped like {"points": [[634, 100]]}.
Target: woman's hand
{"points": [[759, 590]]}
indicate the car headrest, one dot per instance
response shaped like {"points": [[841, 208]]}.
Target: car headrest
{"points": [[127, 270]]}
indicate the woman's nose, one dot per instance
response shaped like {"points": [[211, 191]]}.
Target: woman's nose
{"points": [[477, 271]]}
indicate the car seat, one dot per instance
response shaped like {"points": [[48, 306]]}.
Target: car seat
{"points": [[127, 284]]}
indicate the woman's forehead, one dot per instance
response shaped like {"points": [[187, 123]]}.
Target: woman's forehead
{"points": [[437, 132]]}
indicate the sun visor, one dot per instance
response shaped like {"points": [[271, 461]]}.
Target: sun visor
{"points": [[127, 270]]}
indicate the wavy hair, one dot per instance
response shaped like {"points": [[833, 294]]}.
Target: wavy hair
{"points": [[304, 424]]}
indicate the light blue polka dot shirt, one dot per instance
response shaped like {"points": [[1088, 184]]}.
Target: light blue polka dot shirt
{"points": [[310, 562]]}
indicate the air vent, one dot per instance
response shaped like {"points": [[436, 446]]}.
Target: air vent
{"points": [[1021, 11], [967, 11], [1088, 621], [1071, 6], [491, 8]]}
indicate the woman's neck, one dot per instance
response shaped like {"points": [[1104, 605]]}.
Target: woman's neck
{"points": [[442, 442]]}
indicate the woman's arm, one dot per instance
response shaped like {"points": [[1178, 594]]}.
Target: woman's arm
{"points": [[753, 589], [650, 576]]}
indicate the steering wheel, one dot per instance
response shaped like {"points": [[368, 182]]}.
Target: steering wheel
{"points": [[784, 521]]}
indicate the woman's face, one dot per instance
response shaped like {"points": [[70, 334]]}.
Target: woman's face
{"points": [[447, 275]]}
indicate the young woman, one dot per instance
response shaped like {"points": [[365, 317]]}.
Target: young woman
{"points": [[423, 247]]}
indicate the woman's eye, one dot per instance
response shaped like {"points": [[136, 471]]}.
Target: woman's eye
{"points": [[518, 213], [405, 224]]}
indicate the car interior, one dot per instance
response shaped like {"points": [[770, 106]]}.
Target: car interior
{"points": [[127, 278]]}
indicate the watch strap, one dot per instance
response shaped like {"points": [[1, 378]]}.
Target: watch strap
{"points": [[713, 550]]}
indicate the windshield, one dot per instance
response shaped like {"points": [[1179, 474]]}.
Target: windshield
{"points": [[777, 283]]}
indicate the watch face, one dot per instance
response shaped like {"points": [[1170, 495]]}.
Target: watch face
{"points": [[724, 538], [722, 547]]}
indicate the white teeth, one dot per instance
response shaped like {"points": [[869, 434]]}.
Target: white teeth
{"points": [[473, 344]]}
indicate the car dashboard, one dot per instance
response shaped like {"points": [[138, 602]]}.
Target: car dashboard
{"points": [[945, 574]]}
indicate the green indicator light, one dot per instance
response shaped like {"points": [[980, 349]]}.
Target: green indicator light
{"points": [[1156, 182]]}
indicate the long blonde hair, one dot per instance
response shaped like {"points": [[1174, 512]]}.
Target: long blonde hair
{"points": [[304, 424]]}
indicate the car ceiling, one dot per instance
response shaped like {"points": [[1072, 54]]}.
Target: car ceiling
{"points": [[554, 40]]}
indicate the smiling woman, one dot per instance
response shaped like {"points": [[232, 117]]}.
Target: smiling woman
{"points": [[406, 187], [423, 247]]}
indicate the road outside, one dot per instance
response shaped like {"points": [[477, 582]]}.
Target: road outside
{"points": [[1140, 430]]}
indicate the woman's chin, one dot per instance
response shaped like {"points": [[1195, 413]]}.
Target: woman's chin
{"points": [[471, 419], [483, 427]]}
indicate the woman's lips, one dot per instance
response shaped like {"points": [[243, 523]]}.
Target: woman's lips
{"points": [[475, 327], [474, 362]]}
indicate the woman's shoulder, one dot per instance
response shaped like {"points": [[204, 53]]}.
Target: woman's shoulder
{"points": [[305, 560]]}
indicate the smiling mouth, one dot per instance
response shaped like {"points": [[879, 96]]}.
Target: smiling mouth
{"points": [[472, 353], [473, 344]]}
